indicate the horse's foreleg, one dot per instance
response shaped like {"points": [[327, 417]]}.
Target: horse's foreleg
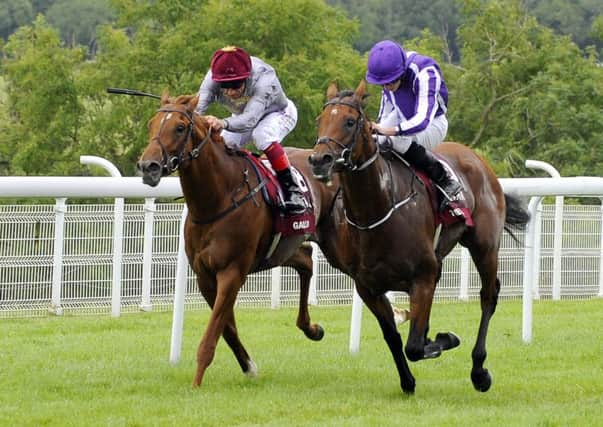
{"points": [[228, 283], [418, 347], [487, 265], [382, 310], [301, 261], [230, 333]]}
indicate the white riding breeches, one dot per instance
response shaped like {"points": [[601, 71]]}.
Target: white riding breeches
{"points": [[273, 127], [429, 138]]}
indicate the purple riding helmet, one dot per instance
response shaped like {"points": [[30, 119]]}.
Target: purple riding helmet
{"points": [[386, 62]]}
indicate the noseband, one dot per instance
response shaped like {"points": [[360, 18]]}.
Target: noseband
{"points": [[171, 163], [345, 156]]}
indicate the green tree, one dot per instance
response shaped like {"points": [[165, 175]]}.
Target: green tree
{"points": [[42, 135], [13, 14], [77, 19], [401, 20], [522, 92], [573, 18]]}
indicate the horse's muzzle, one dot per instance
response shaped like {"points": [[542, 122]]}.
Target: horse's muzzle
{"points": [[322, 166], [151, 171]]}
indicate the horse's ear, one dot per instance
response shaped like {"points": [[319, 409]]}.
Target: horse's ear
{"points": [[165, 97], [192, 103], [332, 90], [360, 92]]}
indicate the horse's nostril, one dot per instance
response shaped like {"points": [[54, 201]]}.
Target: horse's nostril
{"points": [[326, 159], [154, 167], [146, 166]]}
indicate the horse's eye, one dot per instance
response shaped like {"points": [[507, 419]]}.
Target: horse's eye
{"points": [[350, 122], [180, 128]]}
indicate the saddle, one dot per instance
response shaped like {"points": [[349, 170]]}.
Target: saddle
{"points": [[456, 210], [285, 223]]}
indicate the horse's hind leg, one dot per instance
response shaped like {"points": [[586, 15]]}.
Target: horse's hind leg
{"points": [[382, 310], [486, 262], [301, 261]]}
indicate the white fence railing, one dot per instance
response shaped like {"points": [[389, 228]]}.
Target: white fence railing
{"points": [[63, 257]]}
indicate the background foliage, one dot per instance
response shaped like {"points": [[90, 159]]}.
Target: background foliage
{"points": [[525, 77]]}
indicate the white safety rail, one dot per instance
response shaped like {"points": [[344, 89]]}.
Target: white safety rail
{"points": [[62, 256]]}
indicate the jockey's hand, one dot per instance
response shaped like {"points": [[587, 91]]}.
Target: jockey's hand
{"points": [[215, 123], [374, 127], [382, 130]]}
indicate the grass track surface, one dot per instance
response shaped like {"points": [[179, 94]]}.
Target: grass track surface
{"points": [[100, 371]]}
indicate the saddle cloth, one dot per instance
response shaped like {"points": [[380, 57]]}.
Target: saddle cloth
{"points": [[456, 210], [285, 223]]}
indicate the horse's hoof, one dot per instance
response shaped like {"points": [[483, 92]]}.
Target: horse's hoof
{"points": [[447, 340], [252, 369], [409, 388], [320, 333], [432, 350], [316, 333], [482, 380], [400, 315]]}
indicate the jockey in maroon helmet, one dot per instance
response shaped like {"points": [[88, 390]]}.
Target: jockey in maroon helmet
{"points": [[260, 112]]}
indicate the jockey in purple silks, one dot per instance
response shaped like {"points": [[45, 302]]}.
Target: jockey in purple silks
{"points": [[412, 117], [250, 89]]}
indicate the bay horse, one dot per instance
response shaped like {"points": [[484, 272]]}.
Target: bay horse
{"points": [[392, 223], [229, 228]]}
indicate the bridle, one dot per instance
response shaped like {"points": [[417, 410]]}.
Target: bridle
{"points": [[171, 163], [345, 156], [345, 161]]}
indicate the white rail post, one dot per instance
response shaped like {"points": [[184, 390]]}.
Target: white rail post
{"points": [[528, 264], [275, 287], [536, 249], [118, 232], [179, 294], [464, 285], [601, 255], [355, 322], [147, 255], [558, 227], [60, 208], [312, 296]]}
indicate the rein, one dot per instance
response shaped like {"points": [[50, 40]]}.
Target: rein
{"points": [[345, 160], [173, 163], [236, 203]]}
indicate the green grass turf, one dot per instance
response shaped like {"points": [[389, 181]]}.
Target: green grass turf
{"points": [[101, 371]]}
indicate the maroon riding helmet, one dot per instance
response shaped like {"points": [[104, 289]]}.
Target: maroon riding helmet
{"points": [[230, 63]]}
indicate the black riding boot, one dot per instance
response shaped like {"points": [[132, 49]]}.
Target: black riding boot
{"points": [[418, 156], [294, 199]]}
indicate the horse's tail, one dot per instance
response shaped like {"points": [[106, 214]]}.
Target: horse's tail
{"points": [[516, 216]]}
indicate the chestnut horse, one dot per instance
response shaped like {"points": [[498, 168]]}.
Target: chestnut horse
{"points": [[392, 225], [229, 228]]}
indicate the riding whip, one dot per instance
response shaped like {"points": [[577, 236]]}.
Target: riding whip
{"points": [[131, 92]]}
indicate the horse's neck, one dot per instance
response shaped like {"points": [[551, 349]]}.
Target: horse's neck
{"points": [[209, 181], [367, 193]]}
